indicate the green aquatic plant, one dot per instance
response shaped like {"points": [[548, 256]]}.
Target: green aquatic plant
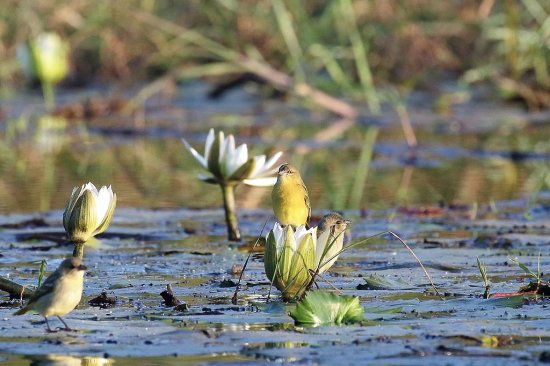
{"points": [[229, 166], [486, 282], [41, 272], [536, 275], [326, 308]]}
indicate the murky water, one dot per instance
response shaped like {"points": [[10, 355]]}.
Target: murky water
{"points": [[168, 229], [145, 162]]}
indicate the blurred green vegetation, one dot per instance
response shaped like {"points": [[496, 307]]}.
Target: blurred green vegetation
{"points": [[346, 47]]}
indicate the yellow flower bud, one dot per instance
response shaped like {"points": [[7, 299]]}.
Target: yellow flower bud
{"points": [[45, 58]]}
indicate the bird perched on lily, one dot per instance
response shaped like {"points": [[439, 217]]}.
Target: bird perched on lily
{"points": [[228, 166], [88, 212], [59, 294], [290, 198], [293, 256], [330, 232]]}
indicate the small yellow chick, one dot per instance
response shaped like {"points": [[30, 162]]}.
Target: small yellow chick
{"points": [[60, 293], [289, 197]]}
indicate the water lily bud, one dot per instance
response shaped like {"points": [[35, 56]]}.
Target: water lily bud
{"points": [[88, 212], [45, 57], [289, 255]]}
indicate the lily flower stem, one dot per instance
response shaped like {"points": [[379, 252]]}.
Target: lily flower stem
{"points": [[233, 232], [78, 251], [49, 95]]}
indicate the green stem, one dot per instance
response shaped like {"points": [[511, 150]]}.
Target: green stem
{"points": [[49, 95], [233, 232], [78, 251]]}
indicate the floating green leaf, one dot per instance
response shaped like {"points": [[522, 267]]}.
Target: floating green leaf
{"points": [[377, 282], [327, 308]]}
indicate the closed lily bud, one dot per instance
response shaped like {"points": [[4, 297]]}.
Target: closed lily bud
{"points": [[45, 57], [88, 212], [289, 256]]}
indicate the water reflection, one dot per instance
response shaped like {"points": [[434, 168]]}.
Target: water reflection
{"points": [[44, 160], [63, 360]]}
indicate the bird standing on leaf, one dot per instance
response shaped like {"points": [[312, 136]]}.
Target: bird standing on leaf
{"points": [[290, 199]]}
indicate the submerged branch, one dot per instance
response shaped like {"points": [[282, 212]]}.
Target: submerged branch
{"points": [[14, 289]]}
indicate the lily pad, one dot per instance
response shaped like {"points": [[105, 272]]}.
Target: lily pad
{"points": [[326, 308]]}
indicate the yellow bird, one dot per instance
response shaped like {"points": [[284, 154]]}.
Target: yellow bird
{"points": [[289, 197], [60, 293]]}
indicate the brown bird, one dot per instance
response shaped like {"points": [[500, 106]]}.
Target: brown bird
{"points": [[60, 293], [330, 239], [289, 197]]}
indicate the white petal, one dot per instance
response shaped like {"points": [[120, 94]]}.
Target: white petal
{"points": [[261, 182], [222, 149], [238, 158], [278, 234], [205, 177], [89, 186], [227, 159], [103, 199], [208, 143], [259, 162], [196, 155], [273, 160]]}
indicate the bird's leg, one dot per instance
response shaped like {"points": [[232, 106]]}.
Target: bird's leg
{"points": [[65, 324], [48, 329]]}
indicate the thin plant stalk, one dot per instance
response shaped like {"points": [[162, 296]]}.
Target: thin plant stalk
{"points": [[360, 57], [363, 168], [41, 272], [48, 92], [235, 294], [402, 242], [228, 194], [486, 282]]}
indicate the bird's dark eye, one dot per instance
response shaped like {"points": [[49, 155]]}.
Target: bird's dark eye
{"points": [[339, 222]]}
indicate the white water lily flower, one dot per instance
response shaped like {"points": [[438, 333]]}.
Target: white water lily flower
{"points": [[88, 211], [230, 164], [289, 255], [292, 255]]}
